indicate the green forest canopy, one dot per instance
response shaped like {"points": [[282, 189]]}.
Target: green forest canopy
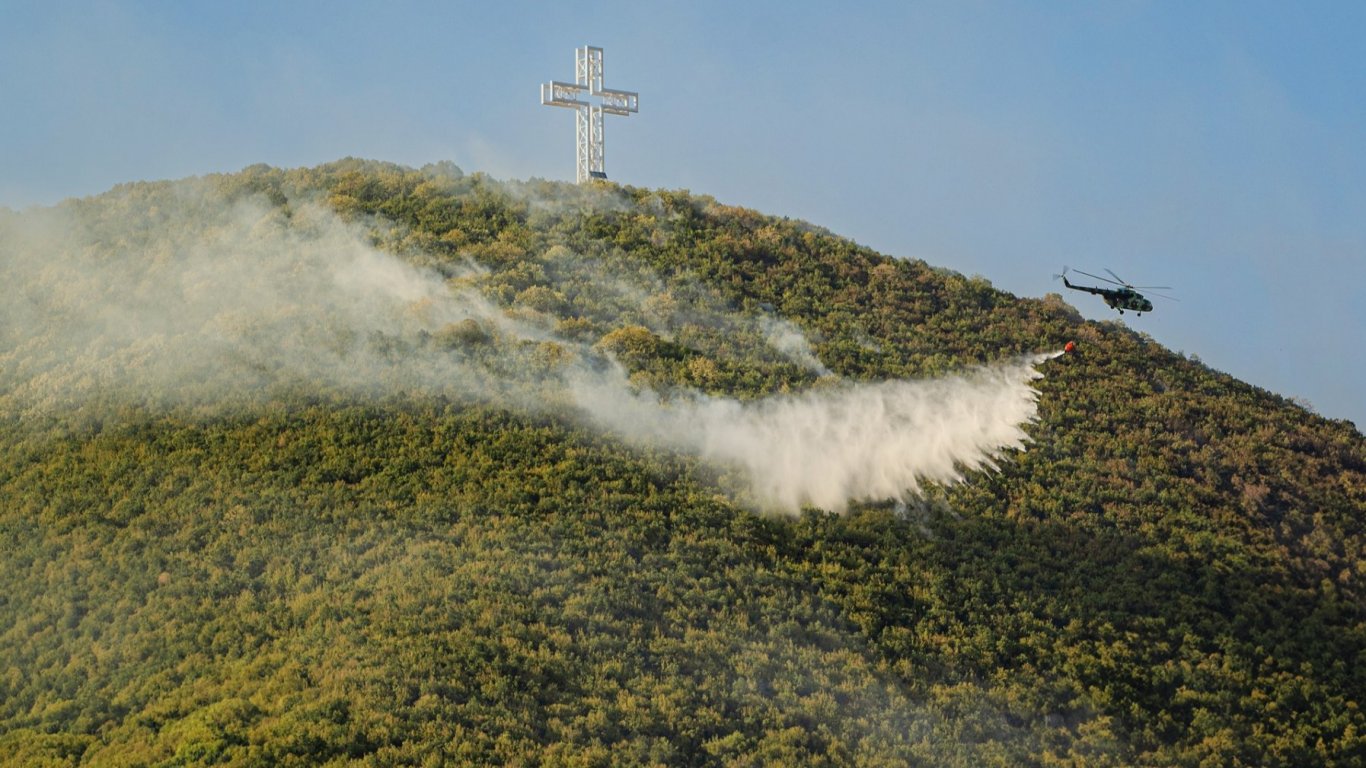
{"points": [[1171, 573]]}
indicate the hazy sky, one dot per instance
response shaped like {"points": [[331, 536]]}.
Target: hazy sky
{"points": [[1219, 148]]}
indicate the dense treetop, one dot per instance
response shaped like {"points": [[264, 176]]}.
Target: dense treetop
{"points": [[306, 570]]}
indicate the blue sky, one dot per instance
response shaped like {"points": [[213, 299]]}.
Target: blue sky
{"points": [[1216, 147]]}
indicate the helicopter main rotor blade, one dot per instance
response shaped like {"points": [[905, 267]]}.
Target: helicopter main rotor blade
{"points": [[1153, 287], [1097, 277], [1121, 280], [1168, 298]]}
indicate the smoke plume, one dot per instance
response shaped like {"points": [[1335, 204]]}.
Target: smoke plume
{"points": [[168, 295], [829, 447]]}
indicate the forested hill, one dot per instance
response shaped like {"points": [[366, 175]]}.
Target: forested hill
{"points": [[369, 464]]}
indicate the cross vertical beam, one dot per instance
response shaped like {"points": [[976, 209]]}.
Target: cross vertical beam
{"points": [[589, 157]]}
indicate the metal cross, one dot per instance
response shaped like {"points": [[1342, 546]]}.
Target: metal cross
{"points": [[588, 122]]}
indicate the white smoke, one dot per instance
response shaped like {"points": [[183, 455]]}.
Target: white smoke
{"points": [[174, 295], [827, 448], [166, 295]]}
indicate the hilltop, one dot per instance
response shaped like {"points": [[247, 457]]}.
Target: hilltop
{"points": [[378, 464]]}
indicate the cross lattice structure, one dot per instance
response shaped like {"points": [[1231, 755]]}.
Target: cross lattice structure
{"points": [[588, 114]]}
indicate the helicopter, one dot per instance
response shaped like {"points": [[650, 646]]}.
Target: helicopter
{"points": [[1124, 297]]}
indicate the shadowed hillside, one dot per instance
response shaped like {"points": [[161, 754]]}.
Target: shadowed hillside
{"points": [[369, 464]]}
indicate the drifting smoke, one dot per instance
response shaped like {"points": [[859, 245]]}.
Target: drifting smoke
{"points": [[171, 294]]}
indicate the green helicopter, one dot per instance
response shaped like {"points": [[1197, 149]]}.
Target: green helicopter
{"points": [[1124, 297]]}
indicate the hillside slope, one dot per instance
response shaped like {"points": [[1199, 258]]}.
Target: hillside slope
{"points": [[352, 520]]}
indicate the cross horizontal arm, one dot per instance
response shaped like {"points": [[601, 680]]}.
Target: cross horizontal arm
{"points": [[558, 94], [619, 102]]}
